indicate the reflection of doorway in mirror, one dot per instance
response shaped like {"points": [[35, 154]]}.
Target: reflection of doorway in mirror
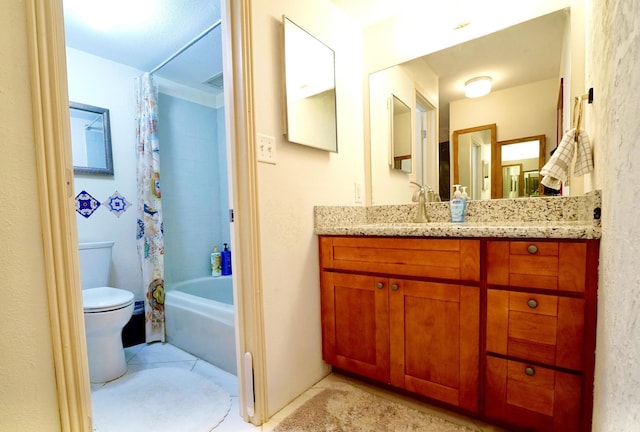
{"points": [[532, 183], [472, 150], [479, 185], [444, 169], [512, 181], [426, 150]]}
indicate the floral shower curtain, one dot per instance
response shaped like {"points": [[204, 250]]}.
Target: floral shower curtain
{"points": [[149, 234]]}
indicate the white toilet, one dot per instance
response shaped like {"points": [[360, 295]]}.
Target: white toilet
{"points": [[106, 311]]}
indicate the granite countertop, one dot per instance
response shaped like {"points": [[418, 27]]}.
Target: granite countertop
{"points": [[544, 217]]}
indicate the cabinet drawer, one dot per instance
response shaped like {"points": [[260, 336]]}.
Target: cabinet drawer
{"points": [[537, 264], [532, 396], [542, 328], [437, 258]]}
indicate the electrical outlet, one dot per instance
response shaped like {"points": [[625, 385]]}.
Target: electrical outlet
{"points": [[266, 148], [359, 193]]}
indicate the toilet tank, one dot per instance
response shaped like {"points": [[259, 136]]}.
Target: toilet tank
{"points": [[95, 263]]}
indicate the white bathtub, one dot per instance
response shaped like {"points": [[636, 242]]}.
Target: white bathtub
{"points": [[199, 319]]}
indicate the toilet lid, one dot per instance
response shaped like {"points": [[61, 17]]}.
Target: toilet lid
{"points": [[105, 298]]}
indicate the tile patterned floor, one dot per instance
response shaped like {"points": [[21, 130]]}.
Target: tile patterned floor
{"points": [[144, 356]]}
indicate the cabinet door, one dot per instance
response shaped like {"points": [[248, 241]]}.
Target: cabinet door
{"points": [[434, 340], [355, 323]]}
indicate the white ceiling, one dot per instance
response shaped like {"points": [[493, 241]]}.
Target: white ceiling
{"points": [[518, 55], [527, 52], [368, 12], [144, 42]]}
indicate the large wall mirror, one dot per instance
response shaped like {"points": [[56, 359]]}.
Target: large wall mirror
{"points": [[310, 91], [90, 139], [526, 62]]}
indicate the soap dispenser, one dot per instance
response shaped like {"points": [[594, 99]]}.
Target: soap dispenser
{"points": [[457, 205], [464, 193]]}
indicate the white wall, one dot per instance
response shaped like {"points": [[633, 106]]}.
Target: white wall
{"points": [[302, 178], [103, 83], [613, 47]]}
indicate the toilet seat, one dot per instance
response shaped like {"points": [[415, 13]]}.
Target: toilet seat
{"points": [[104, 299]]}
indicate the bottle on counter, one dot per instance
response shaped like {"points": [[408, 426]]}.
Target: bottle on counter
{"points": [[457, 205], [216, 262], [465, 196], [226, 261]]}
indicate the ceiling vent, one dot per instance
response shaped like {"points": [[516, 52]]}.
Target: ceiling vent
{"points": [[215, 81]]}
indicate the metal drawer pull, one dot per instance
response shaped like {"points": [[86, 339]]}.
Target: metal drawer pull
{"points": [[532, 249], [394, 287], [529, 371], [379, 285], [532, 303]]}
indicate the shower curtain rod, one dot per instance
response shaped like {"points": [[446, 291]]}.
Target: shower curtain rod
{"points": [[184, 48]]}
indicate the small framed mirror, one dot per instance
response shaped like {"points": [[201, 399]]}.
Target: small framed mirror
{"points": [[90, 139], [400, 140], [310, 90]]}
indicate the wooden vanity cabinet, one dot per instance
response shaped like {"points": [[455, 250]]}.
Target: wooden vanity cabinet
{"points": [[512, 340], [392, 311]]}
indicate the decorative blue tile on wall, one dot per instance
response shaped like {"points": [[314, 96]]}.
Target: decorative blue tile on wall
{"points": [[117, 204], [86, 204]]}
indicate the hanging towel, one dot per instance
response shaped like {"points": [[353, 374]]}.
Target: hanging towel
{"points": [[584, 155], [557, 170]]}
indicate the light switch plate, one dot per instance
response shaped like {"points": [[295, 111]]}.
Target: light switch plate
{"points": [[266, 148]]}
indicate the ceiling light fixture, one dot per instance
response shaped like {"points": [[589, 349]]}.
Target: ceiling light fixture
{"points": [[478, 86]]}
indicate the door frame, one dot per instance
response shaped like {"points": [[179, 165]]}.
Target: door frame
{"points": [[428, 151], [52, 144]]}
